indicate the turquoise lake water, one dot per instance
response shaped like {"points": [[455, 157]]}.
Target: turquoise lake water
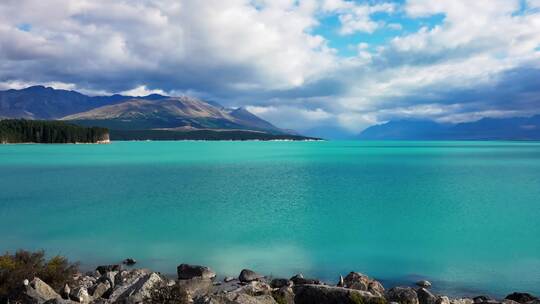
{"points": [[465, 215]]}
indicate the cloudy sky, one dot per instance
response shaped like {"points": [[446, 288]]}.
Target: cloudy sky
{"points": [[308, 65]]}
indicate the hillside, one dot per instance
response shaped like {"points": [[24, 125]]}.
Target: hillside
{"points": [[517, 128], [176, 113], [49, 132]]}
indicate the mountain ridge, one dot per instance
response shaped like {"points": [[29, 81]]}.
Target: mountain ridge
{"points": [[512, 128]]}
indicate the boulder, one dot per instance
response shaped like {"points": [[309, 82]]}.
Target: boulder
{"points": [[137, 292], [461, 301], [106, 268], [358, 281], [426, 297], [228, 279], [279, 283], [521, 297], [484, 300], [402, 295], [66, 291], [423, 284], [100, 289], [186, 272], [247, 275], [39, 292], [299, 279], [308, 294], [284, 295], [196, 287], [80, 294], [256, 288], [236, 298], [443, 300], [129, 261]]}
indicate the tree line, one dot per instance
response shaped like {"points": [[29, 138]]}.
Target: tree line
{"points": [[42, 131]]}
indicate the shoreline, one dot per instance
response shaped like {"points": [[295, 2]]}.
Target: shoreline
{"points": [[126, 283]]}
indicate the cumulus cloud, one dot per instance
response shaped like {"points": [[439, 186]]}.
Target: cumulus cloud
{"points": [[481, 60]]}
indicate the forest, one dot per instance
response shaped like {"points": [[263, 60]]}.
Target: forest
{"points": [[49, 132]]}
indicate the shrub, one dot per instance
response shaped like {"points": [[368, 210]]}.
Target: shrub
{"points": [[14, 268], [164, 294]]}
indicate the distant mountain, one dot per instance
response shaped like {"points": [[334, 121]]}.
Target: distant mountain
{"points": [[39, 102], [173, 113], [517, 128], [148, 117]]}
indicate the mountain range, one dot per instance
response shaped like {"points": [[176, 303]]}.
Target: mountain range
{"points": [[146, 117], [515, 128]]}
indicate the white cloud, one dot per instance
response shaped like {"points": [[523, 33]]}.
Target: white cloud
{"points": [[142, 91]]}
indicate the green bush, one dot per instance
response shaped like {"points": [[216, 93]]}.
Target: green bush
{"points": [[14, 268]]}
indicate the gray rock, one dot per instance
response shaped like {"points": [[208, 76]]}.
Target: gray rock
{"points": [[186, 272], [426, 297], [279, 283], [284, 295], [228, 279], [521, 297], [101, 289], [66, 291], [39, 292], [129, 261], [308, 294], [106, 268], [402, 295], [300, 280], [359, 281], [136, 288], [247, 275], [423, 284], [461, 301], [443, 300], [80, 294], [341, 282], [196, 287], [236, 298]]}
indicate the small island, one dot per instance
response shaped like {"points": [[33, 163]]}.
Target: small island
{"points": [[14, 131]]}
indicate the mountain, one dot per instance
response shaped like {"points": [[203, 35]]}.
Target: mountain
{"points": [[516, 128], [149, 117], [39, 102], [172, 113]]}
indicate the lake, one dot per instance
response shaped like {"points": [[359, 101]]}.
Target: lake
{"points": [[465, 215]]}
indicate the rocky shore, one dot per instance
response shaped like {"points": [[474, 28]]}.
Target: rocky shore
{"points": [[198, 284]]}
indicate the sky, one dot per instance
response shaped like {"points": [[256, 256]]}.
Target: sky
{"points": [[314, 66]]}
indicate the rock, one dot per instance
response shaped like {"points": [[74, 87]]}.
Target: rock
{"points": [[443, 300], [26, 282], [66, 291], [358, 281], [256, 288], [461, 301], [137, 292], [299, 279], [247, 275], [237, 298], [284, 295], [106, 268], [426, 297], [39, 292], [484, 300], [80, 294], [100, 290], [340, 283], [506, 301], [521, 297], [196, 287], [228, 279], [376, 288], [186, 272], [308, 294], [129, 261], [423, 284], [136, 285], [279, 283], [402, 295]]}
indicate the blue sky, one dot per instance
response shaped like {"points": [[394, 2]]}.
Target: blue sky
{"points": [[310, 65]]}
